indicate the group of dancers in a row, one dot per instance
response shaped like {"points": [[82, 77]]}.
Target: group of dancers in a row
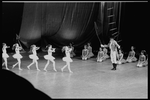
{"points": [[116, 55]]}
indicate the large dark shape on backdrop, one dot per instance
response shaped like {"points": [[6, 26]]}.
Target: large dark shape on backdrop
{"points": [[59, 23]]}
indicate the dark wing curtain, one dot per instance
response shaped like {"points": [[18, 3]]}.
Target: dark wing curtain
{"points": [[58, 23], [108, 21]]}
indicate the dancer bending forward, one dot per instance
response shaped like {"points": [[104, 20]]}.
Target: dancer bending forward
{"points": [[17, 55], [49, 57], [5, 55], [34, 57], [67, 59]]}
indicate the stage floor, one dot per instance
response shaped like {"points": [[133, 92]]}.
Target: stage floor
{"points": [[89, 79]]}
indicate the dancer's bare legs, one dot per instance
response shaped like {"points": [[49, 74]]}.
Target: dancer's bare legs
{"points": [[36, 63], [46, 65], [19, 64], [5, 63], [30, 64], [64, 67], [53, 65], [68, 63]]}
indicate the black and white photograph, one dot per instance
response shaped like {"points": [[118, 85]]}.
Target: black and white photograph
{"points": [[74, 50]]}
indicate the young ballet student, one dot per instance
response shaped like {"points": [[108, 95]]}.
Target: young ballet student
{"points": [[100, 55], [85, 53], [121, 60], [131, 56], [49, 57], [5, 55], [142, 59], [67, 59], [105, 53], [90, 54], [34, 57], [17, 55]]}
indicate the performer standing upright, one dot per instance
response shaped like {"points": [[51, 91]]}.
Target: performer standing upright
{"points": [[34, 57], [113, 52], [5, 55], [17, 55], [67, 59], [49, 57]]}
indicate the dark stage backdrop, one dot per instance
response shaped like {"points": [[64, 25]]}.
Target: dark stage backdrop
{"points": [[58, 23], [61, 23]]}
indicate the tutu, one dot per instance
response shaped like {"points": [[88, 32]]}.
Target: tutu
{"points": [[17, 56], [67, 59], [33, 57], [48, 57], [131, 59], [4, 55], [90, 55], [106, 56]]}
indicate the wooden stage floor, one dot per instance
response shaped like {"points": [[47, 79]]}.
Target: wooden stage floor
{"points": [[89, 79]]}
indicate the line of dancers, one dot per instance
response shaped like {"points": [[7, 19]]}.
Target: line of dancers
{"points": [[116, 55]]}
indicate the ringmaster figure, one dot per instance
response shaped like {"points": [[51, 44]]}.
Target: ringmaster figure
{"points": [[113, 45]]}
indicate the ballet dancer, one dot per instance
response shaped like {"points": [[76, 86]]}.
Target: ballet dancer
{"points": [[113, 52], [142, 59], [105, 53], [72, 54], [5, 55], [17, 55], [67, 59], [85, 53], [49, 57], [121, 60], [34, 57], [100, 55], [131, 57], [90, 50]]}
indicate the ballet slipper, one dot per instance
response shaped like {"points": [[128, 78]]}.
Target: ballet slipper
{"points": [[20, 69], [45, 70], [61, 69], [7, 68], [70, 71]]}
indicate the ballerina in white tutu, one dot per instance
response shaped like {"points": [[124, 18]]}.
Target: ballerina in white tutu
{"points": [[17, 55], [105, 53], [120, 60], [67, 59], [131, 56], [34, 57], [49, 57], [142, 60], [85, 53], [90, 50], [5, 55], [100, 55]]}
